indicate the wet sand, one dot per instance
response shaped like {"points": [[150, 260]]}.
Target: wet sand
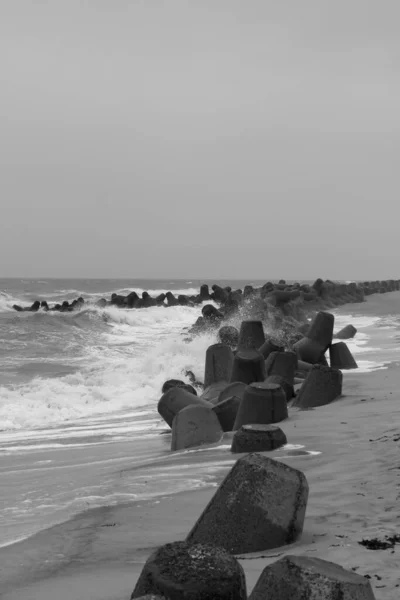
{"points": [[354, 494]]}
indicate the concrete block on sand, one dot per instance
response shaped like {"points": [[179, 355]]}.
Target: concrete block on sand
{"points": [[229, 335], [268, 347], [346, 333], [226, 411], [236, 388], [300, 577], [195, 426], [174, 400], [287, 387], [341, 357], [251, 335], [283, 364], [309, 351], [262, 402], [258, 438], [182, 571], [322, 386], [260, 504], [248, 366], [213, 392], [321, 329], [219, 361]]}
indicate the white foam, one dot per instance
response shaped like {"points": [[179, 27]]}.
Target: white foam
{"points": [[114, 378]]}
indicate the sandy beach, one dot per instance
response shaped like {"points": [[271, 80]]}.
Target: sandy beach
{"points": [[348, 451], [354, 494]]}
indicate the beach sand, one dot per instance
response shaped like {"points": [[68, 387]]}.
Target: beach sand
{"points": [[354, 494], [351, 458]]}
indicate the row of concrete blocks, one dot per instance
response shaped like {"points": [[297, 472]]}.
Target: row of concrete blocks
{"points": [[260, 505], [249, 388]]}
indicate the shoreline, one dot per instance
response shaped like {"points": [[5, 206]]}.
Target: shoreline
{"points": [[109, 545]]}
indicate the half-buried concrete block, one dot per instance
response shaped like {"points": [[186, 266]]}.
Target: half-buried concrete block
{"points": [[300, 577], [181, 571], [174, 400], [219, 361], [322, 386], [341, 357], [195, 426], [226, 411], [260, 504], [251, 335], [262, 403], [258, 438], [248, 366]]}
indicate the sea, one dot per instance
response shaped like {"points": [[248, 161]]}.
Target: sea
{"points": [[79, 426]]}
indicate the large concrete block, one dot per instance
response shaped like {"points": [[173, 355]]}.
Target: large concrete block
{"points": [[346, 333], [258, 438], [283, 364], [341, 357], [309, 351], [287, 387], [260, 505], [226, 411], [321, 329], [268, 347], [322, 386], [219, 361], [236, 388], [248, 366], [251, 335], [212, 392], [229, 335], [181, 571], [309, 578], [174, 400], [195, 426], [262, 403]]}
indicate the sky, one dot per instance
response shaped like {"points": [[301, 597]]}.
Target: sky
{"points": [[200, 138]]}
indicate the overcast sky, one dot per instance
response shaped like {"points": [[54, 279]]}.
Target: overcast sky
{"points": [[200, 138]]}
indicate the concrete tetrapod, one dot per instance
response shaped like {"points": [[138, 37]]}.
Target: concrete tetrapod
{"points": [[229, 335], [309, 351], [306, 577], [195, 426], [212, 392], [287, 388], [346, 333], [321, 329], [248, 366], [283, 364], [258, 438], [236, 388], [251, 335], [219, 361], [268, 347], [226, 411], [174, 400], [322, 386], [262, 403], [260, 504], [341, 357], [181, 571]]}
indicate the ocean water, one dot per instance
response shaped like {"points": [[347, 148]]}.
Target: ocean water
{"points": [[78, 395]]}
